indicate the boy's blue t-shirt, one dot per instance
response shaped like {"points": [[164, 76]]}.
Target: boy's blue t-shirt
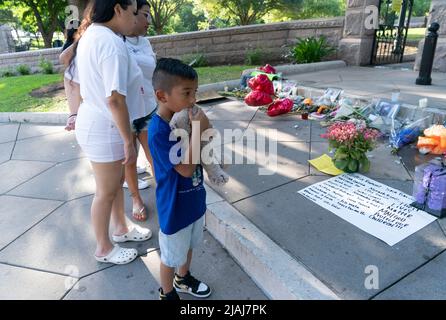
{"points": [[180, 201]]}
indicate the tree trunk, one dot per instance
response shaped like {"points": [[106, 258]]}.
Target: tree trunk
{"points": [[159, 30], [47, 40]]}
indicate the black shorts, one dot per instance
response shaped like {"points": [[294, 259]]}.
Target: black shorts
{"points": [[140, 124]]}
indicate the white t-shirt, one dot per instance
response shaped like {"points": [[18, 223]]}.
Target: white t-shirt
{"points": [[141, 49], [104, 66]]}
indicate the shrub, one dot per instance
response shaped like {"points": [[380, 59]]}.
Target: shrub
{"points": [[23, 69], [8, 72], [46, 66], [195, 60], [255, 57], [311, 50]]}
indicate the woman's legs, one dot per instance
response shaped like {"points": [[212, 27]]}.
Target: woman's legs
{"points": [[132, 181], [118, 212], [108, 177]]}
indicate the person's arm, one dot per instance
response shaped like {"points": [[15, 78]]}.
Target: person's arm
{"points": [[72, 91], [118, 108], [199, 123], [66, 55]]}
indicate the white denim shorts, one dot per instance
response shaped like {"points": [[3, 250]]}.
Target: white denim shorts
{"points": [[174, 247], [98, 136]]}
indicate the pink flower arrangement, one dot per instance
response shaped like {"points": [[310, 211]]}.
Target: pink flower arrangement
{"points": [[351, 142]]}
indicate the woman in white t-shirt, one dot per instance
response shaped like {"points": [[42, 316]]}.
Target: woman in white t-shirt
{"points": [[112, 91], [139, 47]]}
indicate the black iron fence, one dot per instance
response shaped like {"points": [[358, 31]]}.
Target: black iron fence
{"points": [[390, 38]]}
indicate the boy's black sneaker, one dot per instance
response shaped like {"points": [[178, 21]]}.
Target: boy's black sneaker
{"points": [[172, 295], [190, 285]]}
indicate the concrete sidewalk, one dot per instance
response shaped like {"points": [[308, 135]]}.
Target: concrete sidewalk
{"points": [[330, 256], [379, 82], [285, 245], [46, 239], [332, 250]]}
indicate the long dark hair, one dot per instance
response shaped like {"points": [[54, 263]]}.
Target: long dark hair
{"points": [[86, 22], [70, 32], [98, 11], [104, 10], [141, 3]]}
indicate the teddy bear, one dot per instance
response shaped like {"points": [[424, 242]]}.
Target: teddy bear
{"points": [[215, 172]]}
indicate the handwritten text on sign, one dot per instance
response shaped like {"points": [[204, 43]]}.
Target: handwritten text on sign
{"points": [[373, 207]]}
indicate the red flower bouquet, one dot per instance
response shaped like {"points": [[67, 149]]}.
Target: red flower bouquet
{"points": [[280, 106]]}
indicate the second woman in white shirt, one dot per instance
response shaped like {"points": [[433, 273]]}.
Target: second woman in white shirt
{"points": [[141, 50]]}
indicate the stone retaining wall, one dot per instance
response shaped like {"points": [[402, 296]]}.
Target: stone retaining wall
{"points": [[231, 45], [30, 58], [221, 46]]}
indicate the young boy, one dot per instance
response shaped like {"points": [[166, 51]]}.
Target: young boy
{"points": [[180, 194]]}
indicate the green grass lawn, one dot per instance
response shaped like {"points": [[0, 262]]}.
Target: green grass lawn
{"points": [[14, 91], [416, 33], [14, 94], [218, 74]]}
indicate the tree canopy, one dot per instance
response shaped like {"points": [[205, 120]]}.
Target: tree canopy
{"points": [[43, 15], [161, 12], [170, 16], [245, 12]]}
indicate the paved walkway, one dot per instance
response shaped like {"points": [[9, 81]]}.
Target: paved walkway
{"points": [[371, 82], [334, 251], [46, 188], [46, 240]]}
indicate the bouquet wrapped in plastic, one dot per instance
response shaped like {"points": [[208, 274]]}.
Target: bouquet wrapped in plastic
{"points": [[268, 69], [280, 106], [258, 98], [261, 83], [407, 134]]}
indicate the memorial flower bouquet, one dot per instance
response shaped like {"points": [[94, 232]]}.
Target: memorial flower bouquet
{"points": [[351, 140]]}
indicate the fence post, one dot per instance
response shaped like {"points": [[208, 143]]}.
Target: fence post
{"points": [[427, 59]]}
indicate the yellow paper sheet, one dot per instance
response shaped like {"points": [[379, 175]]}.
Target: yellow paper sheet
{"points": [[325, 164]]}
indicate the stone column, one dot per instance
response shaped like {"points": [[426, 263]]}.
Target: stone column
{"points": [[6, 40], [357, 44], [437, 14]]}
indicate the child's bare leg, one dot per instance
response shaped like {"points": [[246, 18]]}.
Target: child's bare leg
{"points": [[166, 275], [184, 269]]}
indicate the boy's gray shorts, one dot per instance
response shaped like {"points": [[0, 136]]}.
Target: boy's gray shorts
{"points": [[174, 247]]}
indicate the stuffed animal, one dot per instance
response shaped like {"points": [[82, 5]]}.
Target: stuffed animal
{"points": [[180, 120]]}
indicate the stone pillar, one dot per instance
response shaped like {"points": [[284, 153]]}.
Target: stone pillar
{"points": [[437, 14], [6, 41], [357, 44]]}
